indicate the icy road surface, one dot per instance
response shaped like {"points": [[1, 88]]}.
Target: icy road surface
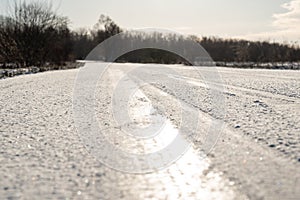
{"points": [[257, 156]]}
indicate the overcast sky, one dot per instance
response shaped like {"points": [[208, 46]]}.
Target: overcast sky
{"points": [[249, 19]]}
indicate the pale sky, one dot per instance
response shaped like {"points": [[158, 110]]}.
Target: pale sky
{"points": [[249, 19]]}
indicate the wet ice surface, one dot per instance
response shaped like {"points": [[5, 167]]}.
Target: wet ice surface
{"points": [[41, 155], [145, 116], [185, 178]]}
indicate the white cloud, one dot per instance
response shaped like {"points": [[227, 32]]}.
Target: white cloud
{"points": [[286, 25], [289, 20]]}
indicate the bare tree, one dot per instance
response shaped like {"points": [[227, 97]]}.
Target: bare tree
{"points": [[32, 30]]}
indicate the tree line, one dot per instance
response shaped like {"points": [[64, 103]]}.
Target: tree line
{"points": [[34, 35]]}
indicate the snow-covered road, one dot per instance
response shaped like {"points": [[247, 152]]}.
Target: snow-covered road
{"points": [[44, 154]]}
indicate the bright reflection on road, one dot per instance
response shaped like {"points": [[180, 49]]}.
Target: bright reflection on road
{"points": [[144, 115], [188, 178]]}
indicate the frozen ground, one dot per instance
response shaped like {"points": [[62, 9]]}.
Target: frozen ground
{"points": [[257, 156]]}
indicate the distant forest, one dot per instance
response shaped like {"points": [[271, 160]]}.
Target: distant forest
{"points": [[33, 35]]}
